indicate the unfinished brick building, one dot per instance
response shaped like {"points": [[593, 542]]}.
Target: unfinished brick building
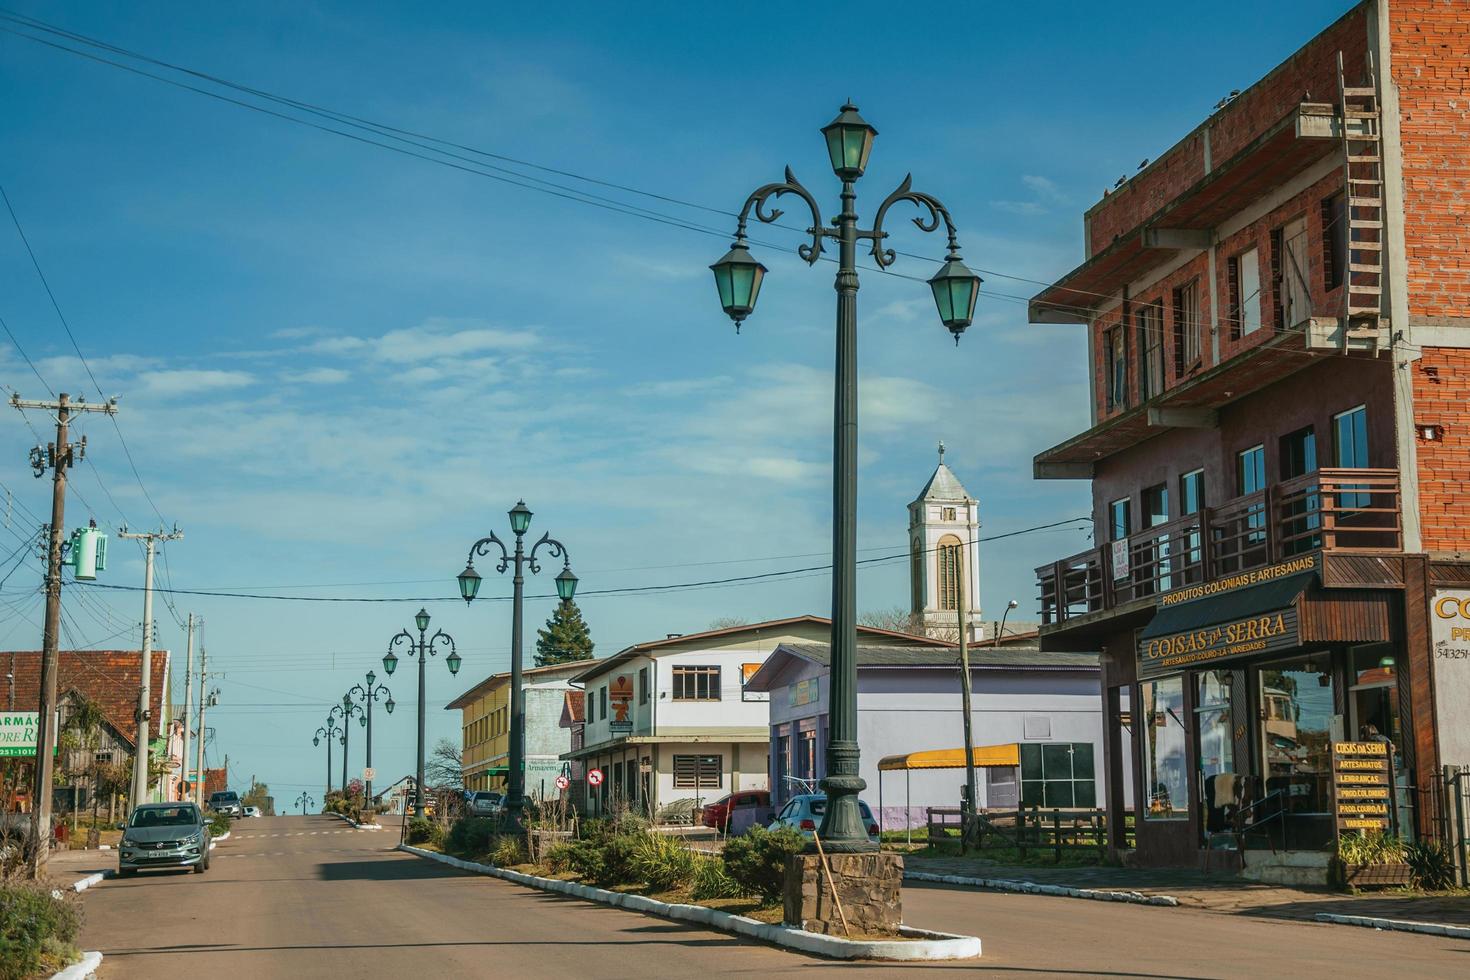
{"points": [[1278, 312]]}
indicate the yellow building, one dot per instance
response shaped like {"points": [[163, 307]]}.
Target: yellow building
{"points": [[485, 726]]}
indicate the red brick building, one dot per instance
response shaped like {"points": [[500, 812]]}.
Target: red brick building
{"points": [[1278, 313]]}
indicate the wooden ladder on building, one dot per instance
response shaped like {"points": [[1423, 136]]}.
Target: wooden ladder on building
{"points": [[1362, 151]]}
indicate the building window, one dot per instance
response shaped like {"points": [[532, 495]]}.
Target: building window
{"points": [[1165, 769], [1250, 478], [1120, 519], [1187, 327], [916, 575], [1150, 321], [698, 772], [782, 760], [1192, 501], [1058, 774], [1294, 292], [696, 684], [948, 557], [1156, 505], [1117, 365], [602, 701], [947, 513], [1334, 241], [1350, 451], [642, 685], [1244, 273]]}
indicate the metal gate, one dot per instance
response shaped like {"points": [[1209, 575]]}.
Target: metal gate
{"points": [[1454, 818]]}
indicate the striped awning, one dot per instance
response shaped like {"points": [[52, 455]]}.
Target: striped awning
{"points": [[1008, 754]]}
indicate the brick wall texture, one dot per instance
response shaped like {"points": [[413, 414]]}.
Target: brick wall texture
{"points": [[109, 677], [1442, 397], [1430, 45]]}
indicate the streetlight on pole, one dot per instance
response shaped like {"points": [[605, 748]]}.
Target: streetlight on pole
{"points": [[423, 649], [738, 277], [469, 587], [304, 801], [366, 696], [328, 731], [346, 708]]}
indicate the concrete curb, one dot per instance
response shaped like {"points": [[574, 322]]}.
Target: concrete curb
{"points": [[83, 884], [1396, 925], [359, 826], [933, 945], [83, 968], [1035, 888], [215, 840]]}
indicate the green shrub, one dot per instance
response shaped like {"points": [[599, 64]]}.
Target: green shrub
{"points": [[757, 860], [37, 931], [662, 861], [558, 858], [508, 850], [1377, 847], [583, 858], [1431, 864], [605, 859], [470, 836], [219, 825], [424, 831], [710, 880]]}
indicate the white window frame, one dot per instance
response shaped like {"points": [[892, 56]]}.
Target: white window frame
{"points": [[1248, 265]]}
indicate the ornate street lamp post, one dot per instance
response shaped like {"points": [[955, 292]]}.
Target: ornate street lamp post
{"points": [[738, 277], [366, 696], [346, 708], [328, 732], [304, 801], [469, 587], [423, 649]]}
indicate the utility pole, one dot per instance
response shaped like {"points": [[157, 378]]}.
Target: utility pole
{"points": [[205, 699], [150, 541], [60, 456], [967, 817], [188, 701]]}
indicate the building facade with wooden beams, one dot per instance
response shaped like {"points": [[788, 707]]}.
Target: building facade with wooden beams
{"points": [[1278, 313]]}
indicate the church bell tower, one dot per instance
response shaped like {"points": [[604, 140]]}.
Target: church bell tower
{"points": [[944, 523]]}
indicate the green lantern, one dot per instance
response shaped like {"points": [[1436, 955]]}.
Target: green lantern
{"points": [[316, 740], [520, 517], [469, 583], [421, 619], [372, 678], [390, 663], [738, 277], [362, 720], [849, 141], [390, 703], [453, 660], [566, 584], [956, 289]]}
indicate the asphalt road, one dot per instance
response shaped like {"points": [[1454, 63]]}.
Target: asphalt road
{"points": [[305, 897]]}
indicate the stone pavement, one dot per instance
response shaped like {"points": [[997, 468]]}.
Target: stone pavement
{"points": [[66, 867], [1218, 891]]}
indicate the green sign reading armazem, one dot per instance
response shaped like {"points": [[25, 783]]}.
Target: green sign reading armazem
{"points": [[18, 732]]}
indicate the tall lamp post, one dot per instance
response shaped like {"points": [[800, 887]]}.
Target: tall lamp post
{"points": [[738, 277], [329, 731], [346, 709], [469, 587], [423, 649], [304, 801], [366, 696]]}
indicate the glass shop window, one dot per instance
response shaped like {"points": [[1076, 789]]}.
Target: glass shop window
{"points": [[1165, 764]]}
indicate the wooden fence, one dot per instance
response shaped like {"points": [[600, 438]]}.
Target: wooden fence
{"points": [[1025, 829]]}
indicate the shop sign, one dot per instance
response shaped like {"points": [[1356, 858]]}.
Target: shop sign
{"points": [[1230, 583], [1362, 779], [18, 733], [1449, 628], [1120, 559], [805, 692], [747, 671], [621, 696], [1257, 633]]}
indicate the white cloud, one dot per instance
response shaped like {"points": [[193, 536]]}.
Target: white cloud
{"points": [[317, 376], [170, 384], [1043, 188]]}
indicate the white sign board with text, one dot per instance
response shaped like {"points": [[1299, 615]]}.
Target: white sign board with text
{"points": [[1449, 625]]}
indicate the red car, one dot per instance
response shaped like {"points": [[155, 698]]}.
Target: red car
{"points": [[738, 812]]}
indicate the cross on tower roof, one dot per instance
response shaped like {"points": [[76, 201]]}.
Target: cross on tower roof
{"points": [[941, 450]]}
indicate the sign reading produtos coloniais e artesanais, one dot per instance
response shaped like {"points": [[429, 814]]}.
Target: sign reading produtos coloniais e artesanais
{"points": [[1449, 625]]}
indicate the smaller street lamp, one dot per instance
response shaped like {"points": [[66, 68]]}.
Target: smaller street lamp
{"points": [[346, 708], [305, 800], [329, 731], [423, 648], [365, 696]]}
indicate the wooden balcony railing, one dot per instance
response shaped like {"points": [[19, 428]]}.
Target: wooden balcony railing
{"points": [[1326, 510]]}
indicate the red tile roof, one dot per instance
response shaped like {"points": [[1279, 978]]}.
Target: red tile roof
{"points": [[573, 709], [109, 677]]}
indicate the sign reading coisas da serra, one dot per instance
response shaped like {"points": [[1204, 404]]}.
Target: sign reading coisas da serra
{"points": [[1257, 633], [18, 732]]}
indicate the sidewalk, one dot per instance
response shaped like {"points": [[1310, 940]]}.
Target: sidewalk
{"points": [[67, 867], [1218, 891]]}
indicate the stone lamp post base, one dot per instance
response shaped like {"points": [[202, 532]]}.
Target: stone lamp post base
{"points": [[870, 886]]}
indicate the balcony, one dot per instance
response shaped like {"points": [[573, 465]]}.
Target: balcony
{"points": [[1330, 510]]}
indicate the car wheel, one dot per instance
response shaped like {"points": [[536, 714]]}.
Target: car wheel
{"points": [[126, 872], [201, 867]]}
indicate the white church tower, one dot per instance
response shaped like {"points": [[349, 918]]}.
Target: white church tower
{"points": [[943, 525]]}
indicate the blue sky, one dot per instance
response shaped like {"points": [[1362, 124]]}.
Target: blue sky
{"points": [[339, 365]]}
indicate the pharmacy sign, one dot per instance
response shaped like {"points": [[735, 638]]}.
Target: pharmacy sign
{"points": [[18, 733]]}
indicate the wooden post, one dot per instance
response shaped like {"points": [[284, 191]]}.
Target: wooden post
{"points": [[836, 899], [1021, 828], [1056, 834]]}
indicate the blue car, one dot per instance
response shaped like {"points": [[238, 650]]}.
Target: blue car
{"points": [[804, 814]]}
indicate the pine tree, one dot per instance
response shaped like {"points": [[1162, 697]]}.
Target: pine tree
{"points": [[565, 638]]}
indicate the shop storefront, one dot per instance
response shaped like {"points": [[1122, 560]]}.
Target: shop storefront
{"points": [[1241, 687]]}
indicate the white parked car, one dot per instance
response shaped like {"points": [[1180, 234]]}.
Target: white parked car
{"points": [[484, 803], [252, 811], [804, 814]]}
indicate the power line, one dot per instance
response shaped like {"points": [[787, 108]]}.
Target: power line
{"points": [[25, 357]]}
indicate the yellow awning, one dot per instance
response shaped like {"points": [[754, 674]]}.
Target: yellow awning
{"points": [[984, 755]]}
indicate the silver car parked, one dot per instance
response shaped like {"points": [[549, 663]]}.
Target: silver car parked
{"points": [[164, 835]]}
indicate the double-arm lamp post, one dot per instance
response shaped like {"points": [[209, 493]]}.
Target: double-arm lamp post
{"points": [[423, 649], [366, 696], [329, 731], [304, 801], [738, 277], [346, 709], [469, 587]]}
